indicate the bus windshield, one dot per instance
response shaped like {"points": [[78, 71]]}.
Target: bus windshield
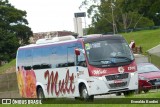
{"points": [[108, 53]]}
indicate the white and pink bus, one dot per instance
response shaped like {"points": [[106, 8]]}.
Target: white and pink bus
{"points": [[76, 67]]}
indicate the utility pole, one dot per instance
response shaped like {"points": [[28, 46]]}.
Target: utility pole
{"points": [[113, 21]]}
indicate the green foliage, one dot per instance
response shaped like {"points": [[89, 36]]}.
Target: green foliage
{"points": [[8, 45], [11, 64], [147, 7], [122, 14], [23, 33], [147, 39], [13, 30], [145, 22]]}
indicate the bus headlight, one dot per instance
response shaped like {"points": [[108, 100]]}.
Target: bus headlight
{"points": [[132, 74], [99, 78]]}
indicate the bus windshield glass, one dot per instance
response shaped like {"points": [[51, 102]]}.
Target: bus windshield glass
{"points": [[108, 53]]}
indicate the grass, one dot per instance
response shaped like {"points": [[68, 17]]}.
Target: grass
{"points": [[7, 66], [146, 39], [94, 104]]}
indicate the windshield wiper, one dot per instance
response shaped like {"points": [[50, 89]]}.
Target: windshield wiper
{"points": [[104, 62], [123, 57]]}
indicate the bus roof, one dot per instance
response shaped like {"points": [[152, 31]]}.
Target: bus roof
{"points": [[45, 44], [91, 38], [67, 39]]}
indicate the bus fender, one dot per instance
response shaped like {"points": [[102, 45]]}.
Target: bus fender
{"points": [[80, 82], [38, 84]]}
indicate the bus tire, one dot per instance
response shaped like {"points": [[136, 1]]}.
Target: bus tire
{"points": [[84, 94], [139, 91], [40, 93], [146, 90], [128, 93], [118, 94]]}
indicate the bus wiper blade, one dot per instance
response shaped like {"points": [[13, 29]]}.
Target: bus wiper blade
{"points": [[123, 57], [103, 61]]}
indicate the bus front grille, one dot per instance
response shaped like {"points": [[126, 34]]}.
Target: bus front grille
{"points": [[116, 85], [117, 76]]}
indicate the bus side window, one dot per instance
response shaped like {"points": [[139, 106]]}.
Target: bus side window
{"points": [[53, 57], [61, 57], [20, 59], [45, 59], [70, 56], [28, 59], [37, 58], [81, 58]]}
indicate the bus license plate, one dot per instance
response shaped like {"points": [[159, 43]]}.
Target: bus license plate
{"points": [[118, 81]]}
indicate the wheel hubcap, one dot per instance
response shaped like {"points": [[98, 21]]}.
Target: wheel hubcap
{"points": [[85, 94], [40, 95]]}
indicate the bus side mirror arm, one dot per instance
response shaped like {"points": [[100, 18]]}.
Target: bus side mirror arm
{"points": [[76, 60]]}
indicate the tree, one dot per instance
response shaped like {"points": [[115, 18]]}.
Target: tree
{"points": [[114, 16], [149, 8], [13, 30], [8, 45]]}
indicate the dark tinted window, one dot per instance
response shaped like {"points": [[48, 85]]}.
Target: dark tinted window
{"points": [[41, 57], [71, 56], [81, 57], [20, 58], [61, 56], [109, 52], [28, 59], [45, 59], [53, 56], [37, 54]]}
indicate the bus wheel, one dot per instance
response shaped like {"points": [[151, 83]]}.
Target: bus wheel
{"points": [[146, 91], [128, 93], [139, 91], [40, 93], [118, 94], [84, 94]]}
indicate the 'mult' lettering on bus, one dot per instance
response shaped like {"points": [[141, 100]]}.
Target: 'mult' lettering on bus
{"points": [[61, 86]]}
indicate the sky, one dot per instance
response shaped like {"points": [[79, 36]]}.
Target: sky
{"points": [[50, 15]]}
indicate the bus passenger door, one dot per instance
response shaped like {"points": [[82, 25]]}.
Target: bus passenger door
{"points": [[81, 65]]}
